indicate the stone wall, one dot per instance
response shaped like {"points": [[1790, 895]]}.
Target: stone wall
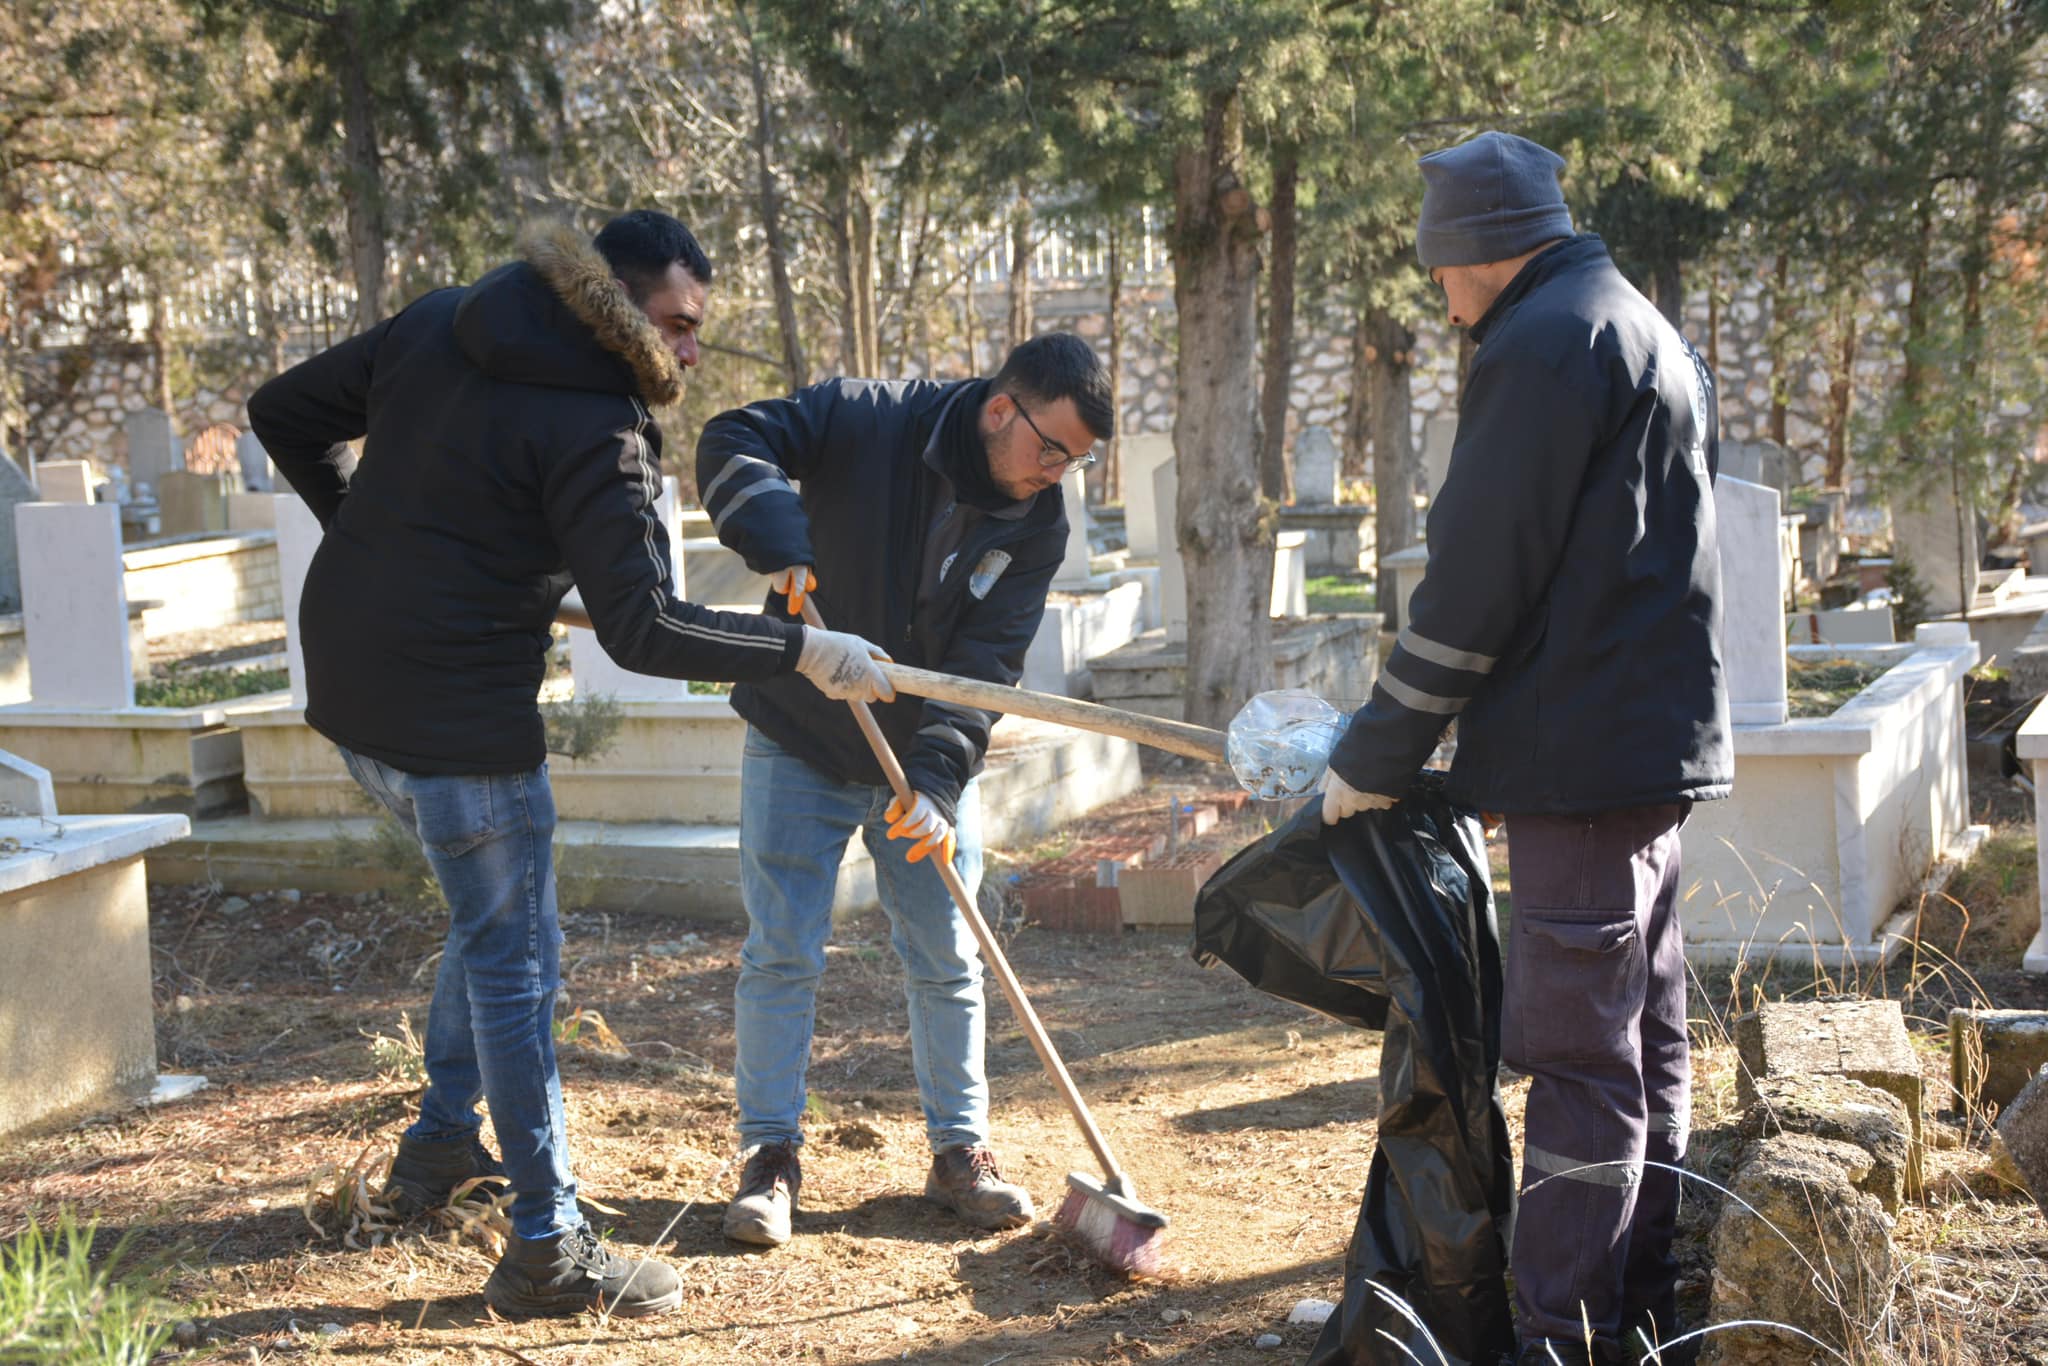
{"points": [[206, 581], [88, 393]]}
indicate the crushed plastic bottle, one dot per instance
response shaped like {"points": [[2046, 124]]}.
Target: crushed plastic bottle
{"points": [[1279, 743]]}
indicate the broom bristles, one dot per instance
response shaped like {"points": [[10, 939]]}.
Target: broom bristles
{"points": [[1109, 1238]]}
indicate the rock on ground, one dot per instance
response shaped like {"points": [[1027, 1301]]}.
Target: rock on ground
{"points": [[1847, 1112], [1810, 1251], [2023, 1128], [1993, 1054]]}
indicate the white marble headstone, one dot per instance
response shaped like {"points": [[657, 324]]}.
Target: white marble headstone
{"points": [[298, 536], [258, 474], [595, 671], [65, 481], [75, 605], [1752, 601], [15, 489], [1439, 438], [1173, 572], [1942, 553], [1140, 455], [1074, 571], [1315, 467], [153, 448]]}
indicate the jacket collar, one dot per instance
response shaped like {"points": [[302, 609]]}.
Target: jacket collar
{"points": [[1545, 266]]}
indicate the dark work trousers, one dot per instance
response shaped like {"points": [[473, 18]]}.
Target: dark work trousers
{"points": [[1594, 1013]]}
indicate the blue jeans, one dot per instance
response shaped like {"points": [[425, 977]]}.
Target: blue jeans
{"points": [[794, 825], [489, 839]]}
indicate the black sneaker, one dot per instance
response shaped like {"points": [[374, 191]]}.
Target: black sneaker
{"points": [[427, 1171], [759, 1211], [571, 1272]]}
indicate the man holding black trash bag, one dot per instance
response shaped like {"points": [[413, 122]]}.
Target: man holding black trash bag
{"points": [[1568, 622]]}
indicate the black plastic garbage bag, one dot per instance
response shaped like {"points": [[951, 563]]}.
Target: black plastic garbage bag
{"points": [[1385, 921]]}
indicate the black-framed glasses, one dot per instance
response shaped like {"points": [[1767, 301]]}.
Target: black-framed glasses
{"points": [[1051, 454]]}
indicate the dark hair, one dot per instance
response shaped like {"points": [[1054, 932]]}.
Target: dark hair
{"points": [[1057, 365], [640, 247]]}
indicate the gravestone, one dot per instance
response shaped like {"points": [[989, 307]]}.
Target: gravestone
{"points": [[1758, 462], [258, 474], [191, 503], [153, 448], [1289, 597], [15, 489], [595, 671], [1315, 467], [1439, 437], [1173, 574], [1941, 548], [75, 605], [1074, 571], [1143, 519], [25, 788], [1752, 601], [298, 536], [65, 481]]}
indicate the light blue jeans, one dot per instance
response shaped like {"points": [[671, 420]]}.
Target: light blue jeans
{"points": [[794, 825], [489, 839]]}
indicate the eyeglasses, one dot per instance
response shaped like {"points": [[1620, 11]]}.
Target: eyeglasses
{"points": [[1051, 454]]}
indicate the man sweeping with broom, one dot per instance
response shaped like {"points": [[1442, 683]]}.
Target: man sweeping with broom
{"points": [[1569, 621]]}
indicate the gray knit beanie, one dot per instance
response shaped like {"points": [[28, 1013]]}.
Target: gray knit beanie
{"points": [[1489, 199]]}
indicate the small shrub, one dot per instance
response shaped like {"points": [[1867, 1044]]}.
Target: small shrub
{"points": [[209, 686], [57, 1308], [581, 727], [1909, 594], [402, 1060]]}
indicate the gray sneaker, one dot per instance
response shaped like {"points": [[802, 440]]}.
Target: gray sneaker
{"points": [[759, 1212], [966, 1181]]}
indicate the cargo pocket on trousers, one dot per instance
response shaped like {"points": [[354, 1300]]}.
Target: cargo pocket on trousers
{"points": [[1575, 982]]}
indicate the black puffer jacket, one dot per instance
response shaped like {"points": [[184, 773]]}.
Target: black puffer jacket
{"points": [[1569, 619], [873, 475], [509, 454]]}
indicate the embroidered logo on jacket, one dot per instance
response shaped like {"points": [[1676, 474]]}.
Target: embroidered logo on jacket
{"points": [[987, 572]]}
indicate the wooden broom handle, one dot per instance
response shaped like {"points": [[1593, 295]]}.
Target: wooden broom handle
{"points": [[991, 952]]}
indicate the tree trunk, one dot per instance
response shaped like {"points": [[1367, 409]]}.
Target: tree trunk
{"points": [[1781, 346], [967, 319], [363, 185], [1223, 527], [1113, 269], [853, 346], [770, 193], [1021, 322], [1357, 407], [1667, 281], [1279, 377], [1389, 362], [864, 269], [159, 335], [1841, 393]]}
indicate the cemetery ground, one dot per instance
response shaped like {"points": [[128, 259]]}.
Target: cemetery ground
{"points": [[1249, 1121]]}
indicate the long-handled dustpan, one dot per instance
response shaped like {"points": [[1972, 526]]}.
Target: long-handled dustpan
{"points": [[1106, 1216]]}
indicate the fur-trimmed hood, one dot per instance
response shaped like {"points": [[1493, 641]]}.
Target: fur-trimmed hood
{"points": [[559, 317]]}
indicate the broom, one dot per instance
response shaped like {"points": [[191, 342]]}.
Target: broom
{"points": [[1105, 1217]]}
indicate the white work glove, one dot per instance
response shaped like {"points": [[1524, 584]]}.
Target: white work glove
{"points": [[793, 583], [923, 824], [844, 666], [1341, 799]]}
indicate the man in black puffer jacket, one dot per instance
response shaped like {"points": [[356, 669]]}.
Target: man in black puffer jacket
{"points": [[1569, 622], [508, 452], [930, 520]]}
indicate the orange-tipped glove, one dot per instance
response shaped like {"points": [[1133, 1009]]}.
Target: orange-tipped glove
{"points": [[793, 583], [921, 823]]}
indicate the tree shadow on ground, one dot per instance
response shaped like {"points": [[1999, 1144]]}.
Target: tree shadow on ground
{"points": [[1330, 1104]]}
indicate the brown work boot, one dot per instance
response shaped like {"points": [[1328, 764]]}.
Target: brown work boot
{"points": [[966, 1181], [759, 1212]]}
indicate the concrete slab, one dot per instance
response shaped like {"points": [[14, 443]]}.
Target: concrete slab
{"points": [[74, 928], [1864, 1041], [1993, 1054], [131, 759]]}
